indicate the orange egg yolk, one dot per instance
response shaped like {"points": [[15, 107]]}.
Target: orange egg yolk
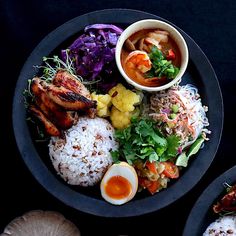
{"points": [[118, 187]]}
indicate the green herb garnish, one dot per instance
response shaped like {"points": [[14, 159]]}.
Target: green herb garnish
{"points": [[160, 66], [183, 158], [142, 140]]}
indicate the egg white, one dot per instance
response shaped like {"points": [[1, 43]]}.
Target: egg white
{"points": [[126, 171]]}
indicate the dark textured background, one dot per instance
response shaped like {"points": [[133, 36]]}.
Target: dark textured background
{"points": [[212, 24]]}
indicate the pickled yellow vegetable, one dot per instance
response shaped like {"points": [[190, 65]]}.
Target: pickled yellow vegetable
{"points": [[123, 99], [120, 120], [105, 99], [103, 112], [103, 104]]}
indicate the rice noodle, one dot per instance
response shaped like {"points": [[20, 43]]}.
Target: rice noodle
{"points": [[190, 120]]}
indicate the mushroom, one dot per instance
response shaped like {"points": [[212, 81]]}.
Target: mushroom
{"points": [[38, 223], [129, 45], [140, 44]]}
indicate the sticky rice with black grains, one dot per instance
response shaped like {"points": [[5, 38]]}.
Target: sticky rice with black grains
{"points": [[224, 226], [83, 155]]}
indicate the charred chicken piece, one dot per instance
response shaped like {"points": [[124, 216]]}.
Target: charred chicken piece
{"points": [[68, 99], [51, 110], [50, 128], [91, 113], [228, 202], [65, 79]]}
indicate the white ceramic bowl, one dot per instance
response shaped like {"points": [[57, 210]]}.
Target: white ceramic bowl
{"points": [[153, 24]]}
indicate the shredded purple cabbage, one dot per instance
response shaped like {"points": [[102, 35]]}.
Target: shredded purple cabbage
{"points": [[167, 111], [93, 53]]}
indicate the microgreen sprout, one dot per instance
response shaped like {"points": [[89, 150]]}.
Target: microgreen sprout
{"points": [[227, 186], [28, 96], [53, 64]]}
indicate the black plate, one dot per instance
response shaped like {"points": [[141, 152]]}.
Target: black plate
{"points": [[202, 210], [199, 72]]}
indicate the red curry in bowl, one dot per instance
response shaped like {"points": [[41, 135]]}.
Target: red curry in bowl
{"points": [[150, 57]]}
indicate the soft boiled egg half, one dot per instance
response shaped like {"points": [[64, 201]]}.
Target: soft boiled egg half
{"points": [[120, 183]]}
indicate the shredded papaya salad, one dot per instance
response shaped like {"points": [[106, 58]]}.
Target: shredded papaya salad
{"points": [[179, 111]]}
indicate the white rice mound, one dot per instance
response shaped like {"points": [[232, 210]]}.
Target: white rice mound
{"points": [[83, 155], [224, 226]]}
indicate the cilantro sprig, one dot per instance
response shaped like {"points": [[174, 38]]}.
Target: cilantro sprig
{"points": [[160, 66], [142, 140]]}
